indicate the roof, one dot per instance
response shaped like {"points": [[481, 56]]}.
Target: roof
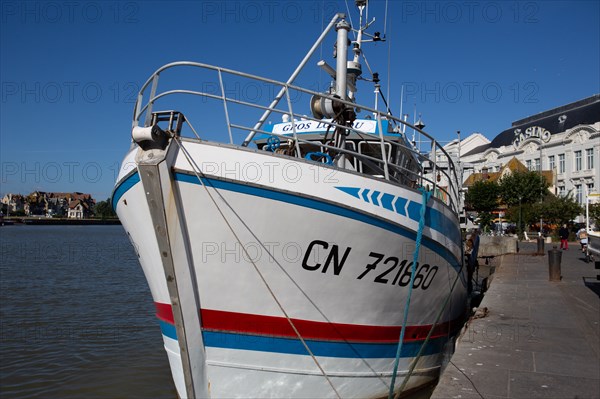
{"points": [[513, 165], [556, 120], [73, 204]]}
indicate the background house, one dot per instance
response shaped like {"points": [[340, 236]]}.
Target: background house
{"points": [[49, 204]]}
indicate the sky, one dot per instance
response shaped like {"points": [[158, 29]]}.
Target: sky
{"points": [[70, 71]]}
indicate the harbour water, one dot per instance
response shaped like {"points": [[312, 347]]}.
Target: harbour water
{"points": [[76, 316]]}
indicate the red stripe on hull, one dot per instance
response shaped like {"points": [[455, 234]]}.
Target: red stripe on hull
{"points": [[244, 323]]}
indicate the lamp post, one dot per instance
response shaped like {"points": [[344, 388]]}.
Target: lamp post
{"points": [[541, 191], [520, 228]]}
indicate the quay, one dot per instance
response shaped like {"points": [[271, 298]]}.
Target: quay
{"points": [[43, 221], [531, 337]]}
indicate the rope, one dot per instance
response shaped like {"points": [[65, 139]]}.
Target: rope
{"points": [[443, 308], [425, 199], [197, 172]]}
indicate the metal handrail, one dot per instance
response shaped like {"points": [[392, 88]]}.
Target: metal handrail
{"points": [[450, 172]]}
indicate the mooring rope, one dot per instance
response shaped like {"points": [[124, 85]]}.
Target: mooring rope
{"points": [[437, 319], [198, 172], [425, 198]]}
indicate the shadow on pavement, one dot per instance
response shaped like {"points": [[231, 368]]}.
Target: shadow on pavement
{"points": [[593, 284]]}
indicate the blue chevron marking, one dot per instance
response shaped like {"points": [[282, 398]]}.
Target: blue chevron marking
{"points": [[434, 219], [365, 194], [353, 191], [374, 197], [386, 201], [400, 205]]}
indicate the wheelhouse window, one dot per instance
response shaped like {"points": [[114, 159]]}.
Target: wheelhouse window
{"points": [[372, 149]]}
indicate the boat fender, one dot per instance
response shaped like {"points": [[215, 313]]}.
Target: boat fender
{"points": [[148, 138], [318, 157], [273, 143]]}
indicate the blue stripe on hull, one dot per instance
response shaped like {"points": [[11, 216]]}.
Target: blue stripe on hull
{"points": [[304, 202], [434, 219], [324, 207], [123, 188], [318, 348]]}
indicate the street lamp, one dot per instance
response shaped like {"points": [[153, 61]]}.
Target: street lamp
{"points": [[520, 228], [541, 191]]}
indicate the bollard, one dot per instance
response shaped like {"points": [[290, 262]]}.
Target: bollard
{"points": [[554, 258], [540, 246]]}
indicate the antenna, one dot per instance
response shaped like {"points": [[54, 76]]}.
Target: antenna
{"points": [[401, 99]]}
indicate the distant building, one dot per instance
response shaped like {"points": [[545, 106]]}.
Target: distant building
{"points": [[563, 141], [50, 204], [78, 209], [514, 165], [14, 203]]}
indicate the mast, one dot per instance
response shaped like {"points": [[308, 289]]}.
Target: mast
{"points": [[341, 74]]}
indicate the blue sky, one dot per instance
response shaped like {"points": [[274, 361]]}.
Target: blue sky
{"points": [[70, 70]]}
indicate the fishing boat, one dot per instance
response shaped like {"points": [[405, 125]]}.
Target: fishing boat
{"points": [[301, 249]]}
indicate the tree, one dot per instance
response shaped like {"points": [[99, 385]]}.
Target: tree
{"points": [[523, 187], [482, 197], [595, 213], [523, 214], [104, 210], [559, 210]]}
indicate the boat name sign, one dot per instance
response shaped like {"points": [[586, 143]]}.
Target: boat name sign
{"points": [[366, 126]]}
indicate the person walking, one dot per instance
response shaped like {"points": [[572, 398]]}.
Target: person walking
{"points": [[583, 238], [564, 237]]}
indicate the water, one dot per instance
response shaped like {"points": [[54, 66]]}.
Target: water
{"points": [[76, 316]]}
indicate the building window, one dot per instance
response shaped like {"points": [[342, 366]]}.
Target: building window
{"points": [[577, 160], [579, 193], [561, 163], [561, 191], [589, 156], [590, 188], [528, 163], [538, 164], [551, 164]]}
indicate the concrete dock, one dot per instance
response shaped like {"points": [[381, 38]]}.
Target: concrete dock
{"points": [[538, 339]]}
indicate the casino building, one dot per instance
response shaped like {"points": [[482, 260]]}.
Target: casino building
{"points": [[564, 140]]}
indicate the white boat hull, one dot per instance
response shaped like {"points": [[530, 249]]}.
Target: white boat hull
{"points": [[282, 247]]}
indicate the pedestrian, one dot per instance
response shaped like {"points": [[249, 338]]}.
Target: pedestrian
{"points": [[472, 264], [564, 237], [583, 238]]}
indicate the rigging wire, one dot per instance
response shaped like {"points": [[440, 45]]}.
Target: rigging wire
{"points": [[425, 199], [389, 56], [350, 18], [385, 19], [437, 319], [198, 172], [193, 130], [321, 45], [467, 377]]}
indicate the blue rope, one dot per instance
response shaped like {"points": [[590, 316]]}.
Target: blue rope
{"points": [[425, 199]]}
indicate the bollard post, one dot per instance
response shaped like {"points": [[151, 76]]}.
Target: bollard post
{"points": [[540, 246], [554, 258]]}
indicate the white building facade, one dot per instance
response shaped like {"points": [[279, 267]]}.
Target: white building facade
{"points": [[565, 140]]}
